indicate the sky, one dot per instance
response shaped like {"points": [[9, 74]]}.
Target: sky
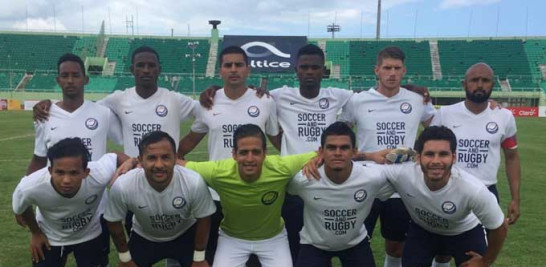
{"points": [[357, 19]]}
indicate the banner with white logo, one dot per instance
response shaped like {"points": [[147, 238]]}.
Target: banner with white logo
{"points": [[542, 111], [268, 53]]}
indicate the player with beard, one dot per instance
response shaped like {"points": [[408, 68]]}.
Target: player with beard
{"points": [[481, 133]]}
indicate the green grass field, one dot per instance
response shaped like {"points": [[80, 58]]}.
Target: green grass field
{"points": [[523, 246]]}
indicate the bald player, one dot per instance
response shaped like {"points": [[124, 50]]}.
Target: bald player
{"points": [[482, 133]]}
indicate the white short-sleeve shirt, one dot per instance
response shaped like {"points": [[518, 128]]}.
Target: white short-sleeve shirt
{"points": [[227, 114], [479, 137], [334, 214], [386, 122], [303, 120], [163, 111], [91, 122], [459, 206], [160, 216], [66, 221]]}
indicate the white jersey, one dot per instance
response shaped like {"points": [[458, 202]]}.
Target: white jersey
{"points": [[386, 122], [227, 114], [160, 216], [479, 138], [66, 221], [91, 122], [163, 111], [459, 206], [303, 120], [334, 214]]}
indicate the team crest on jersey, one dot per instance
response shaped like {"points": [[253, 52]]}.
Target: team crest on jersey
{"points": [[178, 202], [269, 197], [449, 207], [91, 199], [253, 111], [91, 124], [360, 195], [492, 127], [324, 103], [405, 108], [161, 110]]}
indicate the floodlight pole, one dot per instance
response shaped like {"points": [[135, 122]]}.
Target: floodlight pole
{"points": [[378, 26], [333, 28], [193, 45]]}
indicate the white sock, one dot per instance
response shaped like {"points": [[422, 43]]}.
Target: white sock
{"points": [[391, 261], [440, 264]]}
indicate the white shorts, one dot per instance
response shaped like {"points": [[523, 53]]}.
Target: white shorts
{"points": [[234, 252]]}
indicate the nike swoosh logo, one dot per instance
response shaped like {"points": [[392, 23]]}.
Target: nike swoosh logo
{"points": [[141, 207], [371, 110], [409, 195], [317, 198], [216, 114], [292, 103], [457, 126], [53, 128], [128, 112]]}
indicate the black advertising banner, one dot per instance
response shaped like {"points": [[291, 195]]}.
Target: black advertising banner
{"points": [[268, 53]]}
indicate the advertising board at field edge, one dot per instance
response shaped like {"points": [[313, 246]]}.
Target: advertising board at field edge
{"points": [[268, 54], [542, 111], [524, 111]]}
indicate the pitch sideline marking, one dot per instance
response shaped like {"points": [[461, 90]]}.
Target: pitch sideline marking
{"points": [[16, 137]]}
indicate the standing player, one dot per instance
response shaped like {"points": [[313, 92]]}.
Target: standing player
{"points": [[147, 107], [251, 188], [447, 205], [234, 105], [337, 204], [144, 108], [171, 206], [234, 98], [481, 133], [388, 117], [303, 115], [74, 117], [67, 195]]}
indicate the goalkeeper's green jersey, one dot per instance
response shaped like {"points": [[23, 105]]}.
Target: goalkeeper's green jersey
{"points": [[252, 211]]}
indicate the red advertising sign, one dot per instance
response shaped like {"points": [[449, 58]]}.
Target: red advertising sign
{"points": [[524, 111]]}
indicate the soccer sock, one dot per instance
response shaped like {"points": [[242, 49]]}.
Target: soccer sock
{"points": [[440, 264], [391, 261]]}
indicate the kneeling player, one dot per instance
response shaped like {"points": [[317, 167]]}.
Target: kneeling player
{"points": [[171, 206], [336, 206], [67, 195]]}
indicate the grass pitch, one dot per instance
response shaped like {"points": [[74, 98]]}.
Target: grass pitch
{"points": [[523, 246]]}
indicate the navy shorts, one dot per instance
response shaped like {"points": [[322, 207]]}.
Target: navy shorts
{"points": [[359, 255], [146, 253], [292, 213], [393, 216], [91, 253], [421, 245]]}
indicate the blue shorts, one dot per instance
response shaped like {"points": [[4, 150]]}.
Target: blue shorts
{"points": [[91, 253], [359, 255], [292, 213], [421, 245], [393, 216], [145, 252]]}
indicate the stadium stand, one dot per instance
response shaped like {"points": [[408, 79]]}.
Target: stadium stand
{"points": [[519, 63]]}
